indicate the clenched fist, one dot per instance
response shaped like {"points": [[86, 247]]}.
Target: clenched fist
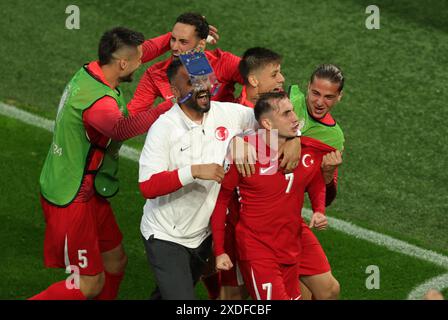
{"points": [[330, 162], [318, 221], [223, 262]]}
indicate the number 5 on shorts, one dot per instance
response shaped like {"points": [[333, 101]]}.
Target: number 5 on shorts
{"points": [[83, 262]]}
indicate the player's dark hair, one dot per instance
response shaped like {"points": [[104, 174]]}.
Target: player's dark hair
{"points": [[173, 69], [256, 58], [329, 72], [267, 102], [115, 39], [196, 20]]}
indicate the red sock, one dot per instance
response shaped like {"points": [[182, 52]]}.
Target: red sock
{"points": [[59, 291], [111, 285], [213, 284]]}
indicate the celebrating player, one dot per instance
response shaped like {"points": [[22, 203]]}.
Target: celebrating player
{"points": [[190, 31], [324, 92], [270, 220], [180, 171], [260, 69], [261, 72], [80, 171]]}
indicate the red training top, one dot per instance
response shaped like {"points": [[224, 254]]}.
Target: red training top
{"points": [[154, 82]]}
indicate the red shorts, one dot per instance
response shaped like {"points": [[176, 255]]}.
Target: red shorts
{"points": [[269, 280], [76, 235], [312, 260]]}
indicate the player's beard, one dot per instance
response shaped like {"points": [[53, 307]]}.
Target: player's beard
{"points": [[127, 78], [201, 105]]}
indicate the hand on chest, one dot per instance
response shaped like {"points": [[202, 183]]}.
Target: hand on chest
{"points": [[269, 178]]}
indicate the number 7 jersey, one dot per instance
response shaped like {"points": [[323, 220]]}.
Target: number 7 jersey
{"points": [[270, 219]]}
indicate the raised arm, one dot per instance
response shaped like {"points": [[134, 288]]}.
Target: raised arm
{"points": [[228, 68], [155, 47]]}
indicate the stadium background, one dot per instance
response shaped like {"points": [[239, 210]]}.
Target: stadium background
{"points": [[393, 180]]}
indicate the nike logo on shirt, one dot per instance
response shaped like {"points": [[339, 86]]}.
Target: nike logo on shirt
{"points": [[184, 148], [265, 170]]}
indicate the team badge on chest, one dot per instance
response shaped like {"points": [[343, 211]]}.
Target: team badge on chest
{"points": [[221, 133], [307, 160]]}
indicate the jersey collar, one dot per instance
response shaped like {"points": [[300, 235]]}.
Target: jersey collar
{"points": [[95, 69]]}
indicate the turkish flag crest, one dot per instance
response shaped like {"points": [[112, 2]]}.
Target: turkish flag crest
{"points": [[221, 133]]}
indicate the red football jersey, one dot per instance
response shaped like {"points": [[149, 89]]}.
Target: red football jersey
{"points": [[271, 204]]}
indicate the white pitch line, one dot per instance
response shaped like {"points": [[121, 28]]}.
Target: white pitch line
{"points": [[390, 243], [26, 117], [380, 239], [439, 283], [40, 122]]}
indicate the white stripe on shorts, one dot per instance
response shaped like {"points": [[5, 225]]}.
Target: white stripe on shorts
{"points": [[255, 284], [239, 276], [66, 258]]}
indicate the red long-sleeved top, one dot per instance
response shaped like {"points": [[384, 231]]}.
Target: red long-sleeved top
{"points": [[331, 188], [242, 99], [155, 47], [271, 204], [160, 184], [154, 82]]}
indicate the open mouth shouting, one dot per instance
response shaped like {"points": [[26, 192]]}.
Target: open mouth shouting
{"points": [[203, 98]]}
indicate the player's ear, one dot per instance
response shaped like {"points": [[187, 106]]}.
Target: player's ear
{"points": [[266, 123], [175, 91], [340, 95], [202, 43], [253, 81], [123, 64]]}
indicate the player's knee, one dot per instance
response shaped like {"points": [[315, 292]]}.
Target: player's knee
{"points": [[330, 291], [91, 286], [233, 293], [116, 262], [118, 265], [334, 290], [122, 263]]}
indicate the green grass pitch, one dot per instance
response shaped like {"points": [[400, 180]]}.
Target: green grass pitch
{"points": [[393, 179]]}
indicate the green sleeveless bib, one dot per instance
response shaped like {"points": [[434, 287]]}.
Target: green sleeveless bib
{"points": [[66, 161], [330, 135]]}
